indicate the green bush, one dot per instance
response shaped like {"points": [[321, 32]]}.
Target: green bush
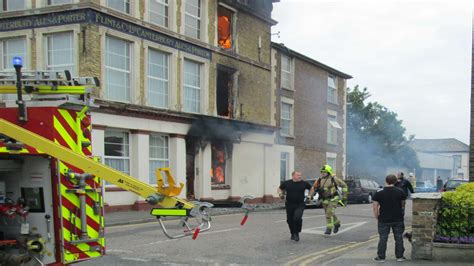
{"points": [[456, 215]]}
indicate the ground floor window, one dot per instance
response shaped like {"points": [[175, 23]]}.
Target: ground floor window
{"points": [[284, 166]]}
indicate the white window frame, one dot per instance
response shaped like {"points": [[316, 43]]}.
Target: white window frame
{"points": [[285, 160], [127, 158], [201, 94], [73, 48], [27, 5], [332, 89], [332, 127], [290, 102], [50, 2], [151, 174], [130, 71], [283, 71], [9, 65], [130, 9], [148, 77], [200, 29], [332, 156], [148, 13], [3, 64], [27, 34]]}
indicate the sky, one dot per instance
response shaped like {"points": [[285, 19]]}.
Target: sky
{"points": [[414, 57]]}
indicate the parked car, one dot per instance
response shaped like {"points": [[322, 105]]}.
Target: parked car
{"points": [[316, 202], [362, 190], [452, 184], [424, 187]]}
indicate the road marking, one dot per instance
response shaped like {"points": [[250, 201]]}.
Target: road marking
{"points": [[321, 229], [304, 260], [307, 217], [337, 250], [118, 251], [308, 259], [136, 259]]}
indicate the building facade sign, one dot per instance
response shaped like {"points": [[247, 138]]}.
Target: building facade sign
{"points": [[99, 18]]}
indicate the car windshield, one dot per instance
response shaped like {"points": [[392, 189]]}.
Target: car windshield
{"points": [[424, 184], [455, 183]]}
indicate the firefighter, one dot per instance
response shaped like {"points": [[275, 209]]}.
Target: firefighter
{"points": [[328, 186]]}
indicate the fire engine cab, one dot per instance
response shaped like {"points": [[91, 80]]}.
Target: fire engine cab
{"points": [[51, 187]]}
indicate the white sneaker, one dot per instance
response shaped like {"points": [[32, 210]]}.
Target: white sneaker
{"points": [[401, 259], [377, 259]]}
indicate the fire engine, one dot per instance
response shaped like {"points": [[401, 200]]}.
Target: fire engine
{"points": [[51, 187]]}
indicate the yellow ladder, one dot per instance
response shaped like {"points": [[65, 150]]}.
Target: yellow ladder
{"points": [[88, 165]]}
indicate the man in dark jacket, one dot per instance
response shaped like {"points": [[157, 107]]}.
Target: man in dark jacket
{"points": [[388, 205], [294, 204], [404, 184]]}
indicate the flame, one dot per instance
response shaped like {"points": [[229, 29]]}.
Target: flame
{"points": [[218, 163]]}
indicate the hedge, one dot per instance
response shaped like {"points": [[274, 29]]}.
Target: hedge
{"points": [[456, 216]]}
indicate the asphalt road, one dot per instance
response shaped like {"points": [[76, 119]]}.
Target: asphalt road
{"points": [[265, 239]]}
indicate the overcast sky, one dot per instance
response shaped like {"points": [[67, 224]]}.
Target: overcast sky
{"points": [[413, 56]]}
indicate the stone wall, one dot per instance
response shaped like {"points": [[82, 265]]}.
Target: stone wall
{"points": [[425, 215], [425, 210]]}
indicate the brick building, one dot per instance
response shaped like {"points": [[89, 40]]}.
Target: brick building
{"points": [[185, 84], [309, 103]]}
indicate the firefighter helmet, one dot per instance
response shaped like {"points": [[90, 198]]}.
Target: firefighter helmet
{"points": [[326, 169]]}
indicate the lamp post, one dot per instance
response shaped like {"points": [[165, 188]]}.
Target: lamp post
{"points": [[18, 64]]}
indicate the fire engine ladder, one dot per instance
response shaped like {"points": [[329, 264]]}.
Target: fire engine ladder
{"points": [[46, 82], [164, 195]]}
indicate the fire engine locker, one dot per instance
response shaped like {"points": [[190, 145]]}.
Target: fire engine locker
{"points": [[27, 211]]}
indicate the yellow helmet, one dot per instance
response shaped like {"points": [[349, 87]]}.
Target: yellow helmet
{"points": [[326, 169]]}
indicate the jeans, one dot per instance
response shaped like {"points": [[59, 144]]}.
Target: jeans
{"points": [[384, 231], [294, 216]]}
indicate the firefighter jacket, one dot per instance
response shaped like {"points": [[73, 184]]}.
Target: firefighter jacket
{"points": [[327, 187]]}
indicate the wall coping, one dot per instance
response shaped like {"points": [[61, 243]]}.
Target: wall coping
{"points": [[453, 245], [436, 195]]}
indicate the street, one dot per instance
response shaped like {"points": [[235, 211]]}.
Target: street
{"points": [[265, 239]]}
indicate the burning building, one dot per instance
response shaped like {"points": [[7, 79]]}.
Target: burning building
{"points": [[185, 84]]}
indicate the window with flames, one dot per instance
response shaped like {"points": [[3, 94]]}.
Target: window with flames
{"points": [[218, 164]]}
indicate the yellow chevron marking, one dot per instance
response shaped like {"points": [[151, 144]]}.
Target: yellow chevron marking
{"points": [[60, 129], [68, 118]]}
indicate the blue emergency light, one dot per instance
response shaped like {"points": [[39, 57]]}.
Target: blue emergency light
{"points": [[17, 61]]}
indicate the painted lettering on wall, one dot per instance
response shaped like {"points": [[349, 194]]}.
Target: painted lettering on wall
{"points": [[99, 18]]}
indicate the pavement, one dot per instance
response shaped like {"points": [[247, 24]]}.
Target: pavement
{"points": [[134, 238]]}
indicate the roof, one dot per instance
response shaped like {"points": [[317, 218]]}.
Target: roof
{"points": [[281, 47], [439, 145]]}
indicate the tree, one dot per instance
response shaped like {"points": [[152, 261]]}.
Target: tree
{"points": [[375, 137]]}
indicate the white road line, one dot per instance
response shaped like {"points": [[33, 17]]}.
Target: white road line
{"points": [[320, 229], [118, 251], [204, 233], [136, 259], [307, 217]]}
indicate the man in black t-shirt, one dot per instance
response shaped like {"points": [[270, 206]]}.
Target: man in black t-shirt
{"points": [[294, 204], [388, 206]]}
